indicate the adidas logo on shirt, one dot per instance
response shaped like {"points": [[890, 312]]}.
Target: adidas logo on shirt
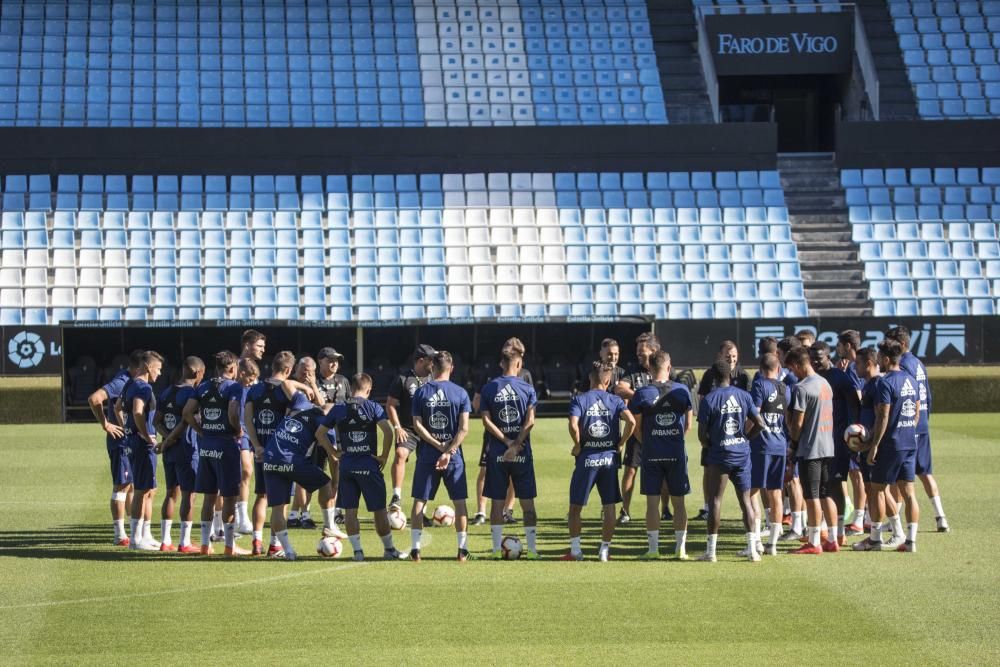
{"points": [[505, 395], [907, 389], [438, 400], [598, 409], [731, 406]]}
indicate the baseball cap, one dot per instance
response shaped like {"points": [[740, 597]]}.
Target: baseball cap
{"points": [[423, 351], [329, 352]]}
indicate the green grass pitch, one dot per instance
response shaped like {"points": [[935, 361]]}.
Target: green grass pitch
{"points": [[69, 597]]}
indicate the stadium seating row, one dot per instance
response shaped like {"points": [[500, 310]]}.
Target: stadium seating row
{"points": [[915, 263], [330, 64], [951, 51], [565, 261]]}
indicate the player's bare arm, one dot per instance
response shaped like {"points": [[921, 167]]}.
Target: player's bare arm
{"points": [[574, 434], [189, 415]]}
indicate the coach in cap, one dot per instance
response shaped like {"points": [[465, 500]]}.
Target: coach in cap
{"points": [[333, 387]]}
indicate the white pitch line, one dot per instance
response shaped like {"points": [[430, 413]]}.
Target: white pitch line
{"points": [[174, 591], [43, 502]]}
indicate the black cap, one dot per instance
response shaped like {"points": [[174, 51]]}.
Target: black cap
{"points": [[328, 352], [424, 351]]}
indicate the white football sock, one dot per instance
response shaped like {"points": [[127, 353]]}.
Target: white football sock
{"points": [[387, 541], [775, 533], [653, 537], [752, 541], [206, 532], [415, 534], [306, 515], [230, 530], [605, 548], [120, 529], [814, 535], [355, 541], [756, 525], [329, 517], [293, 515], [574, 546], [938, 508], [786, 506], [897, 525], [531, 533], [146, 532], [833, 534], [463, 539], [496, 532], [258, 536], [241, 512], [710, 544], [859, 517], [216, 521], [680, 541], [840, 526], [876, 533], [911, 532], [398, 492], [165, 525], [136, 530], [797, 522], [186, 533], [274, 540], [286, 544]]}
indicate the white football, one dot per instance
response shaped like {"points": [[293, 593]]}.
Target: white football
{"points": [[397, 520], [856, 437], [329, 547], [510, 547], [443, 515]]}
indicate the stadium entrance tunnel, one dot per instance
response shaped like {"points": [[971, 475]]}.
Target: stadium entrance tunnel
{"points": [[802, 71], [804, 107]]}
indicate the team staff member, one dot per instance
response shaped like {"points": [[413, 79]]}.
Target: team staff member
{"points": [[634, 379], [399, 407]]}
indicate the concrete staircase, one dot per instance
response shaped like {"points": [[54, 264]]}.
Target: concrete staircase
{"points": [[832, 275], [675, 41], [896, 98]]}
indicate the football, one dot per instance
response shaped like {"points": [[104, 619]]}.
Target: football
{"points": [[329, 547], [856, 437], [510, 547], [397, 520], [443, 515]]}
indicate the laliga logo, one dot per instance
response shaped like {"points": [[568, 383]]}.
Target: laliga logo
{"points": [[439, 420], [211, 414], [26, 349], [599, 429], [266, 417], [666, 419]]}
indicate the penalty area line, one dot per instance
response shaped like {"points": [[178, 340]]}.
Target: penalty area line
{"points": [[177, 591]]}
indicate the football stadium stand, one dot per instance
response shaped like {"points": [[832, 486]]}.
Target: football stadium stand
{"points": [[670, 245]]}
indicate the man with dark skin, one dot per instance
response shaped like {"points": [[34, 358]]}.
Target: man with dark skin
{"points": [[727, 419]]}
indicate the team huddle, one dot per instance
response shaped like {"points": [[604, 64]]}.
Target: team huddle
{"points": [[806, 426]]}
